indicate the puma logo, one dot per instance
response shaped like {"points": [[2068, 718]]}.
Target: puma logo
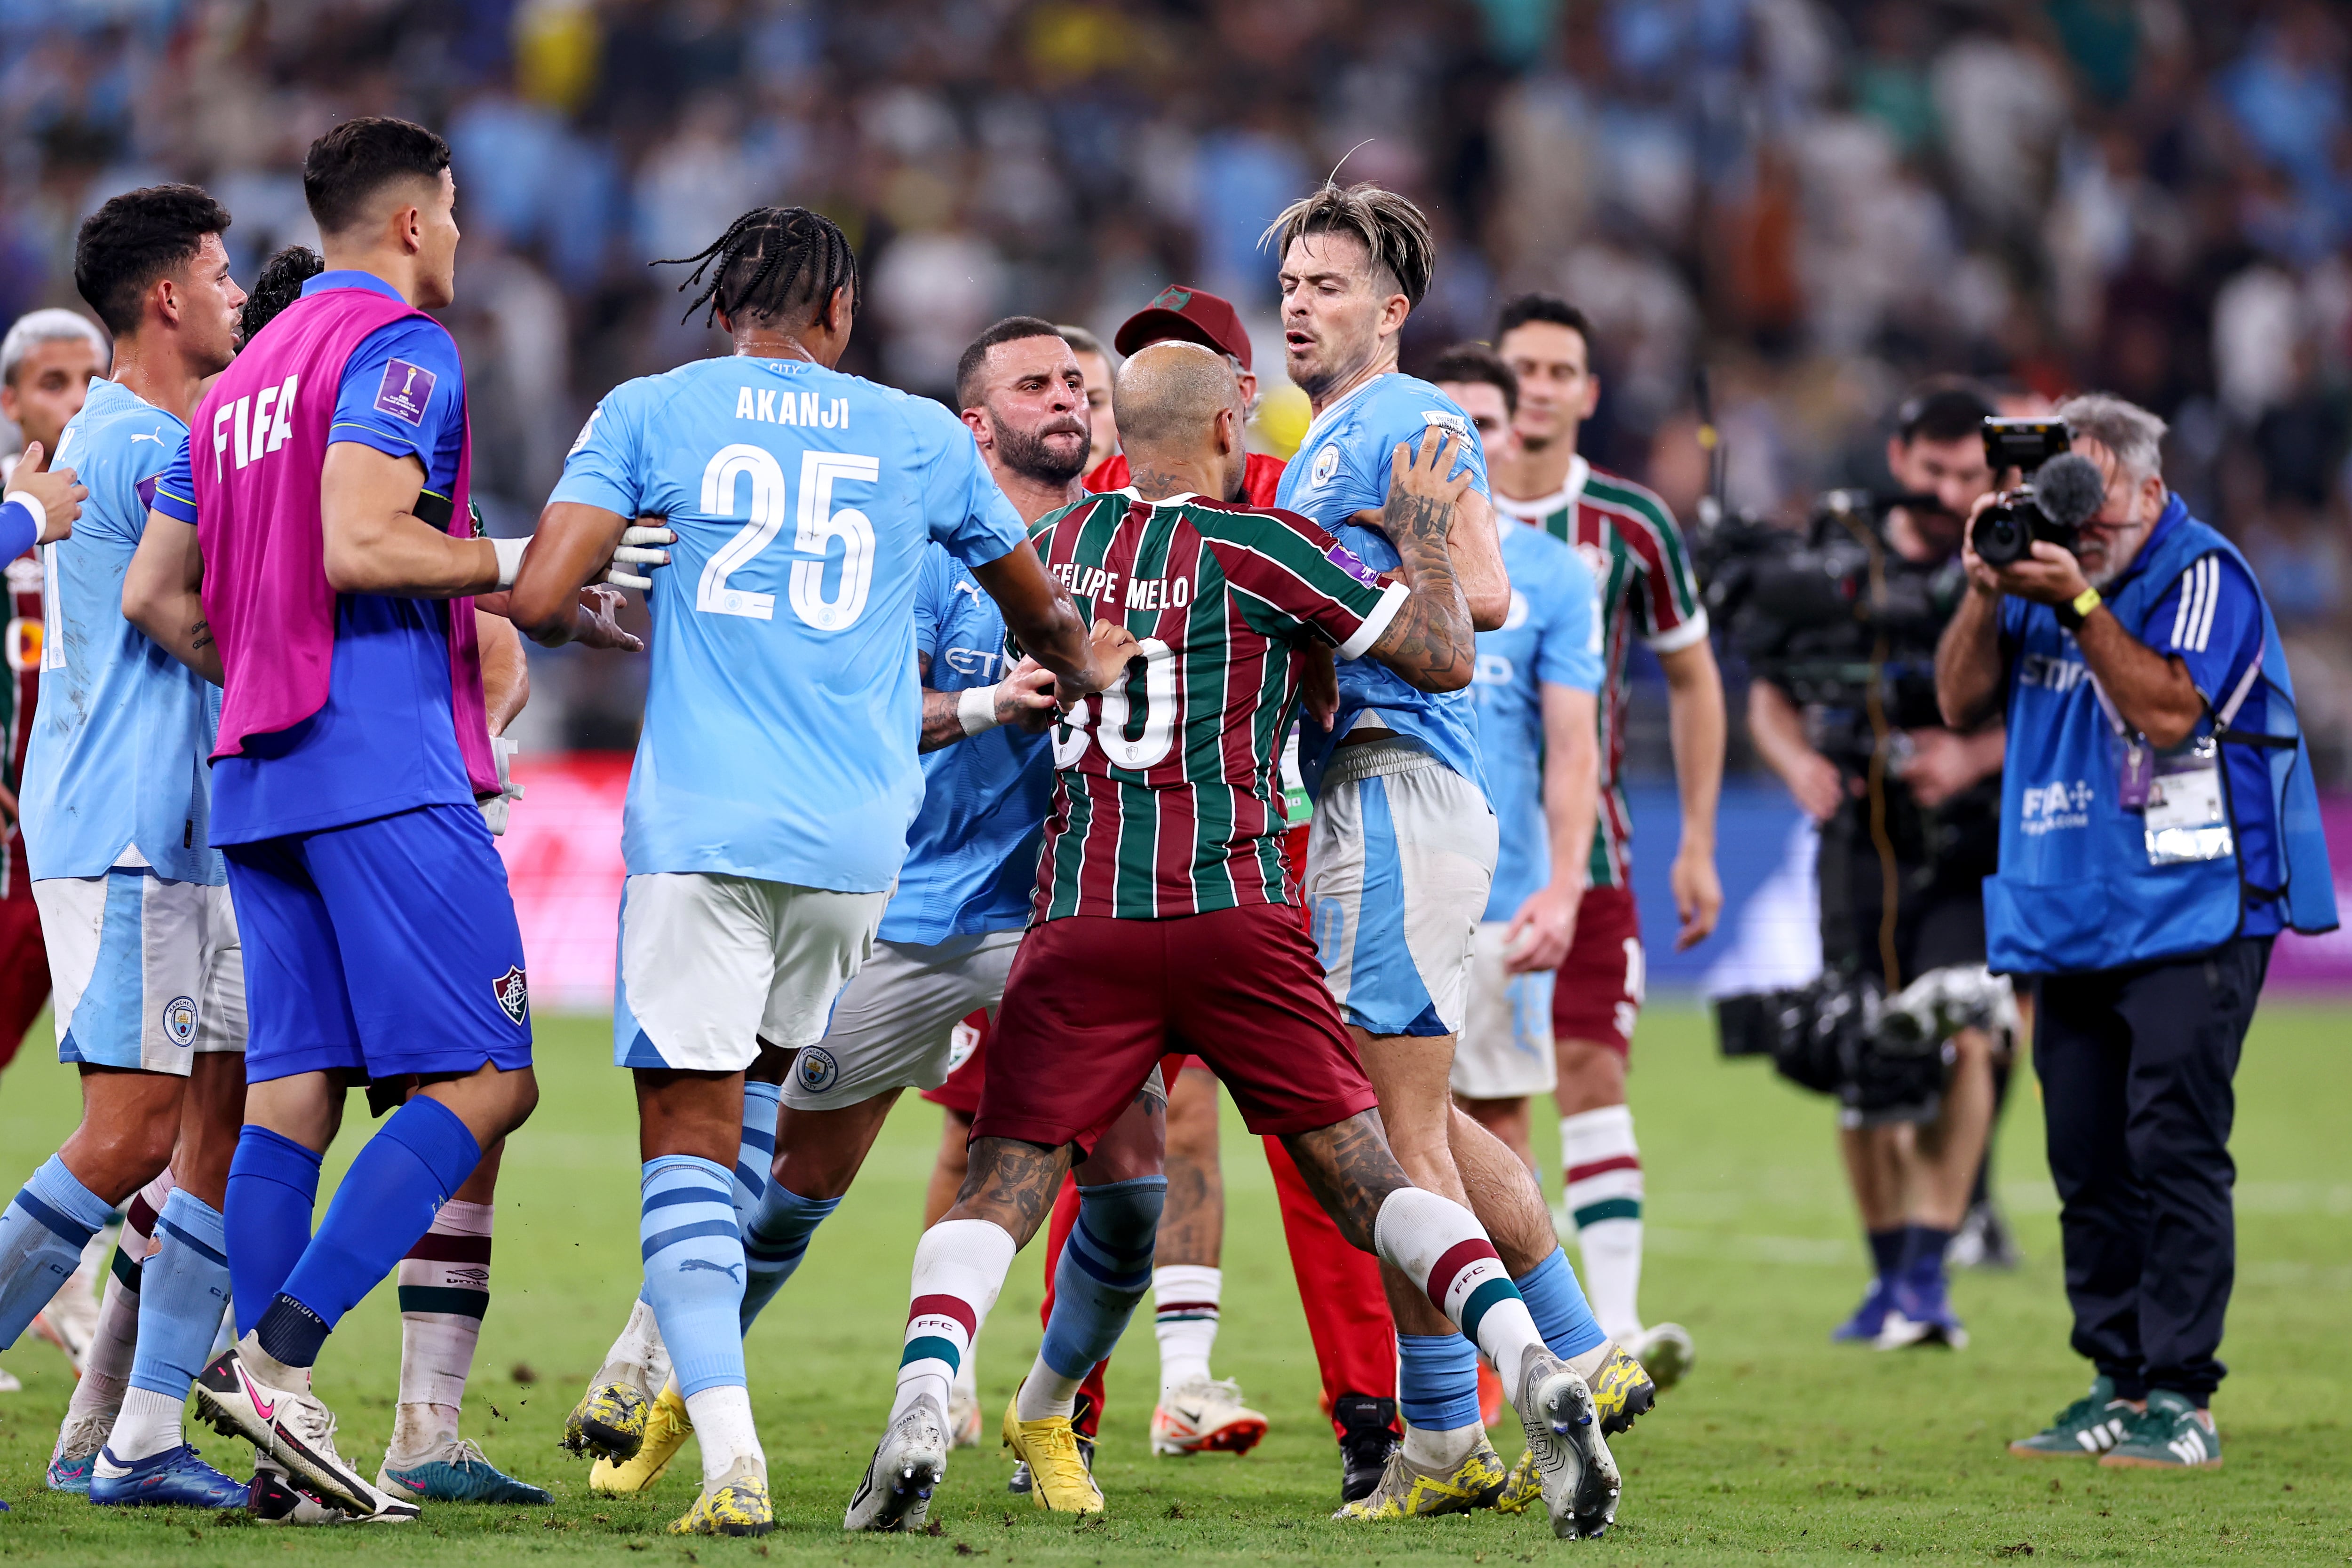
{"points": [[732, 1270]]}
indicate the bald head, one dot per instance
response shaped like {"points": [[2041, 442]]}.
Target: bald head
{"points": [[1168, 398]]}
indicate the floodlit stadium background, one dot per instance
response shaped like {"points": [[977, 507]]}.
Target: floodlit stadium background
{"points": [[1820, 200]]}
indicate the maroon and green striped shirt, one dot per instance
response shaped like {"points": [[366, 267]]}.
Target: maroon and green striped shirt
{"points": [[1167, 789]]}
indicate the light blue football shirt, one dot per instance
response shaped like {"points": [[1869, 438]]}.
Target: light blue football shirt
{"points": [[1342, 468], [115, 772], [784, 708], [972, 854], [1551, 637]]}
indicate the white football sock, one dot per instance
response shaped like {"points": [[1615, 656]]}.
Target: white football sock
{"points": [[1439, 1245], [148, 1424], [1046, 1392], [1442, 1451], [1184, 1316], [637, 1350], [1604, 1170], [723, 1425], [106, 1375], [444, 1288], [967, 1377], [960, 1266]]}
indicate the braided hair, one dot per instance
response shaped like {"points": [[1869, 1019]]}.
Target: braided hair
{"points": [[279, 285], [771, 263]]}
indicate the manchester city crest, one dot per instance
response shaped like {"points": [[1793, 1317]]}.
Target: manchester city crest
{"points": [[180, 1021], [817, 1068], [1326, 462]]}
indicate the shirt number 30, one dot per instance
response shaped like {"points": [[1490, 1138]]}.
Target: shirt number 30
{"points": [[818, 525], [1158, 738]]}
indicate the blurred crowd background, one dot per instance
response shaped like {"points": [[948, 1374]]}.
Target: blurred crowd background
{"points": [[1820, 201]]}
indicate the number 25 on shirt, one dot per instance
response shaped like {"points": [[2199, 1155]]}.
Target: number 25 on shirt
{"points": [[816, 525]]}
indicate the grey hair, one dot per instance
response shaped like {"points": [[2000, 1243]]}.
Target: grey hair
{"points": [[52, 326], [2133, 436], [1394, 231]]}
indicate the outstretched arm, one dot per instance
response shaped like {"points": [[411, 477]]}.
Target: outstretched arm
{"points": [[1022, 699], [1043, 620], [551, 603], [162, 594], [1429, 641]]}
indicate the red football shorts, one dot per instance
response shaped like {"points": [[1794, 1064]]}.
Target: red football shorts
{"points": [[24, 972], [1094, 1003], [1598, 994]]}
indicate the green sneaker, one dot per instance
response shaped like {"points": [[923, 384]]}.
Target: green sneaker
{"points": [[2084, 1430], [2167, 1436]]}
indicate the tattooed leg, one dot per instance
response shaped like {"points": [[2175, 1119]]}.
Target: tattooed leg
{"points": [[1010, 1185]]}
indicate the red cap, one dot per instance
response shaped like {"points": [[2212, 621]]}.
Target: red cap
{"points": [[1191, 314]]}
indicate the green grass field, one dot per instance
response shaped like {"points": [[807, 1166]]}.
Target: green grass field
{"points": [[1780, 1445]]}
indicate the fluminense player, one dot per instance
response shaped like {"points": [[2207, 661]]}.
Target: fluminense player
{"points": [[1648, 591], [150, 990], [332, 508], [1162, 919], [945, 943], [444, 1281], [1400, 863], [777, 775]]}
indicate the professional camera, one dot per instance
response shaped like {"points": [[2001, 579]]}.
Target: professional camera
{"points": [[1842, 1036], [2062, 490]]}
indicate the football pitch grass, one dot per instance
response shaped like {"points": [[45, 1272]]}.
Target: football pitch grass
{"points": [[1781, 1445]]}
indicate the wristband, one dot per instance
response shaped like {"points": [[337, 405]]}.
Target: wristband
{"points": [[976, 709], [510, 554], [2072, 614], [32, 504]]}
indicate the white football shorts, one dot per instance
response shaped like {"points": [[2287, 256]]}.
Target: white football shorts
{"points": [[711, 965], [1504, 1050], [145, 971], [1399, 860], [895, 1025]]}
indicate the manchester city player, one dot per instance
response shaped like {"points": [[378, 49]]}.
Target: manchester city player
{"points": [[777, 776], [150, 986], [1400, 863]]}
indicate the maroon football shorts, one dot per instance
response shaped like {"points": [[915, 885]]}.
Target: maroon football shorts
{"points": [[1094, 1003], [24, 972], [1597, 995]]}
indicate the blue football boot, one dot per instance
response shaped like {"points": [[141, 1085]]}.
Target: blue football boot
{"points": [[1869, 1319], [457, 1472], [174, 1479]]}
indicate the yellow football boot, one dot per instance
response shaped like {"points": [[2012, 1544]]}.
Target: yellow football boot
{"points": [[1059, 1480], [665, 1431], [1409, 1490], [609, 1422], [738, 1505], [1622, 1390]]}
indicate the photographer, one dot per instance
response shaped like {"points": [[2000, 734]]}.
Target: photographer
{"points": [[1906, 808], [2158, 828]]}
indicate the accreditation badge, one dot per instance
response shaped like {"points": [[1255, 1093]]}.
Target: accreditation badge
{"points": [[2186, 818]]}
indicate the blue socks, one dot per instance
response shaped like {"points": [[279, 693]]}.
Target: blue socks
{"points": [[1437, 1381], [1104, 1271], [758, 1155], [386, 1201], [1557, 1303], [693, 1253], [775, 1240], [184, 1288], [273, 1189], [42, 1234]]}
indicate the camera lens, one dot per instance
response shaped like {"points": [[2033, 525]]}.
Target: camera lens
{"points": [[1999, 536]]}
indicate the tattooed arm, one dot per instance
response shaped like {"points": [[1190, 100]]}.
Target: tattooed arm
{"points": [[1430, 641], [1011, 1185], [1022, 699], [162, 594]]}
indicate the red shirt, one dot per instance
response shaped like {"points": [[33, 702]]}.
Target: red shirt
{"points": [[1259, 480]]}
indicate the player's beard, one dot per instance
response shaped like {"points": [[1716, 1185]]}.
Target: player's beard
{"points": [[1030, 453]]}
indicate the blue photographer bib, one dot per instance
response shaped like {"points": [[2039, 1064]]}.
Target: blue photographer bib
{"points": [[2080, 887]]}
